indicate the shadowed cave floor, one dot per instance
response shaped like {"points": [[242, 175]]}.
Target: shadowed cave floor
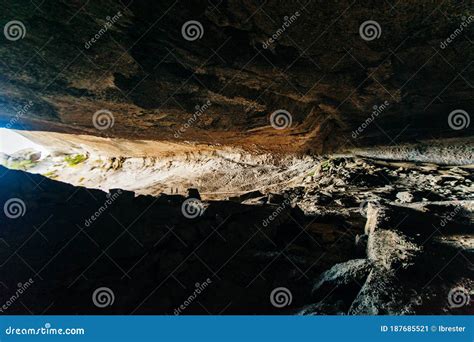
{"points": [[357, 237]]}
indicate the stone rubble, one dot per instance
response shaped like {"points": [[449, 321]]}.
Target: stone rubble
{"points": [[341, 240]]}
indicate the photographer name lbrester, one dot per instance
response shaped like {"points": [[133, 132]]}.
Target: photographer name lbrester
{"points": [[422, 328], [443, 328]]}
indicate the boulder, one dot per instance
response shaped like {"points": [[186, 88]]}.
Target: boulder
{"points": [[405, 197], [388, 247], [348, 275], [383, 294]]}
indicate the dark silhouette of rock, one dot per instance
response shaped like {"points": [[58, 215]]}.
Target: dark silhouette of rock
{"points": [[72, 241], [347, 275], [246, 196], [194, 193]]}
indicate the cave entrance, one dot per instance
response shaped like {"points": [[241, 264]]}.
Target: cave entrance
{"points": [[12, 142], [19, 152]]}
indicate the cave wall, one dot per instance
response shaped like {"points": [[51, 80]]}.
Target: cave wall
{"points": [[149, 79]]}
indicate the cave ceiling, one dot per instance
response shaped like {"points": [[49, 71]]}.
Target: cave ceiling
{"points": [[215, 71]]}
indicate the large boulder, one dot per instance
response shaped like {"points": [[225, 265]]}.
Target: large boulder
{"points": [[383, 294], [346, 275]]}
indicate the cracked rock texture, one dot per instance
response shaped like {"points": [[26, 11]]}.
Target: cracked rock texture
{"points": [[319, 69], [322, 208], [312, 236]]}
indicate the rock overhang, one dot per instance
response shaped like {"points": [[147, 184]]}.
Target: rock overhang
{"points": [[128, 70]]}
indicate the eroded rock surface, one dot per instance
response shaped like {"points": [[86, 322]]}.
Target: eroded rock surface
{"points": [[152, 251], [338, 240], [411, 268], [320, 70]]}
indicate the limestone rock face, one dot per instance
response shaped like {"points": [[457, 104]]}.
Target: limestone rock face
{"points": [[131, 62], [382, 295], [388, 248], [406, 250], [152, 250], [351, 272]]}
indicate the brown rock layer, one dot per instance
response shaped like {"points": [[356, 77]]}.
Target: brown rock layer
{"points": [[319, 69]]}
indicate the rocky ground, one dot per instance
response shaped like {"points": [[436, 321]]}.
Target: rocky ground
{"points": [[338, 184], [439, 170], [351, 235], [218, 173], [328, 171]]}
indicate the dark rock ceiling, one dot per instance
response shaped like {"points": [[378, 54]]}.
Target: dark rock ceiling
{"points": [[319, 69]]}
